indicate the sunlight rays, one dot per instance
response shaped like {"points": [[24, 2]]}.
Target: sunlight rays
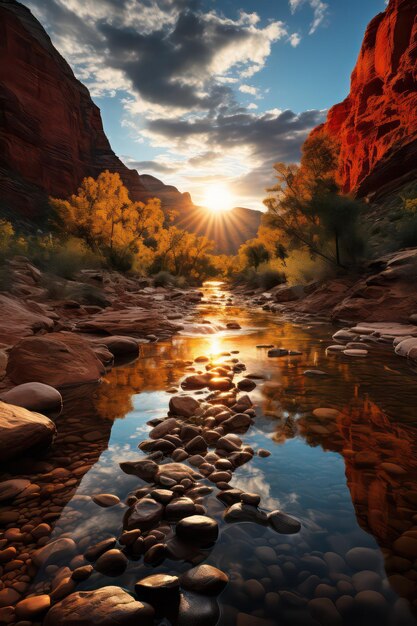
{"points": [[218, 198]]}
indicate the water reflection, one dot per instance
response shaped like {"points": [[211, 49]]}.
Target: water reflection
{"points": [[350, 478]]}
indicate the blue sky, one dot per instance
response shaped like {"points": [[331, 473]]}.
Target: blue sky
{"points": [[201, 92]]}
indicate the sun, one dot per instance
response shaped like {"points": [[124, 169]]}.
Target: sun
{"points": [[218, 198]]}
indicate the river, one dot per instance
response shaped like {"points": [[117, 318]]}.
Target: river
{"points": [[350, 480]]}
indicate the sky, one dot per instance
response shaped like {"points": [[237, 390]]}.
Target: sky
{"points": [[207, 95]]}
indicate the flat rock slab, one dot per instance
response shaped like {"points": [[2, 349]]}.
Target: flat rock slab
{"points": [[134, 321], [385, 328]]}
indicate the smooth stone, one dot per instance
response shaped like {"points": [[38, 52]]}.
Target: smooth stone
{"points": [[55, 551], [162, 429], [240, 512], [324, 610], [158, 588], [250, 498], [184, 406], [111, 563], [32, 608], [229, 497], [204, 579], [9, 489], [144, 469], [82, 573], [34, 396], [197, 529], [21, 430], [314, 373], [363, 559], [162, 495], [266, 555], [179, 508], [107, 606], [283, 523], [263, 453], [246, 384], [325, 413], [94, 552], [106, 500], [144, 514], [238, 422], [355, 352]]}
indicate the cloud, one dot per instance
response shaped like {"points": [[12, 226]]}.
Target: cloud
{"points": [[319, 11], [155, 166], [179, 71]]}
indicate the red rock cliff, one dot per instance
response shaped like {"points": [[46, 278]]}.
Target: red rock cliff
{"points": [[51, 133], [377, 123]]}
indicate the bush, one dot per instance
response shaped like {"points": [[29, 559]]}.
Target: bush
{"points": [[121, 260], [270, 278], [164, 279]]}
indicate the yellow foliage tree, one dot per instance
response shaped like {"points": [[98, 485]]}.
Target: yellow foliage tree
{"points": [[102, 214]]}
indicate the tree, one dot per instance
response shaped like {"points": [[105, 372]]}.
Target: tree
{"points": [[307, 209], [256, 253], [102, 214]]}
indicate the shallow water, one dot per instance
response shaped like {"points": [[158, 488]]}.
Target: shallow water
{"points": [[350, 481]]}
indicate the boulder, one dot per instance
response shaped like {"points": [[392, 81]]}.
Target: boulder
{"points": [[133, 321], [21, 430], [183, 406], [107, 606], [34, 397], [58, 359], [119, 345], [19, 320]]}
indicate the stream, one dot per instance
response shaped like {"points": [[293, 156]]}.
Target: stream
{"points": [[350, 480]]}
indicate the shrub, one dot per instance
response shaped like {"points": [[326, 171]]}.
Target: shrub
{"points": [[270, 278], [163, 279]]}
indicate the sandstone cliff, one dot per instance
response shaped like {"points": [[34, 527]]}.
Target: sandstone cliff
{"points": [[51, 133], [376, 124]]}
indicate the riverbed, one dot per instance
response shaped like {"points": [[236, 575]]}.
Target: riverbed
{"points": [[350, 480]]}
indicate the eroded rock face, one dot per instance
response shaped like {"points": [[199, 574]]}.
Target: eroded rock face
{"points": [[132, 321], [18, 319], [57, 359], [51, 134], [20, 430], [108, 606], [377, 123]]}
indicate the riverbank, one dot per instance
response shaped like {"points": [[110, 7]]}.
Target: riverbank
{"points": [[380, 305]]}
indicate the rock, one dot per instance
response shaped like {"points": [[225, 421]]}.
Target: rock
{"points": [[145, 469], [106, 499], [336, 348], [119, 345], [263, 453], [159, 588], [21, 430], [111, 563], [57, 359], [9, 489], [274, 352], [375, 126], [371, 603], [314, 373], [196, 445], [355, 352], [324, 610], [220, 383], [231, 496], [107, 606], [34, 397], [162, 429], [179, 508], [250, 498], [95, 551], [8, 596], [343, 336], [54, 552], [196, 381], [204, 579], [233, 326], [144, 514], [363, 558], [18, 320], [326, 413], [283, 523], [197, 529], [82, 573], [196, 609], [132, 321], [239, 422], [162, 495], [183, 406], [32, 608], [266, 555], [240, 512]]}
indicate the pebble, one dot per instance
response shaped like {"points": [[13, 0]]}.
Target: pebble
{"points": [[363, 559], [197, 529], [158, 588], [106, 500], [111, 563], [32, 608]]}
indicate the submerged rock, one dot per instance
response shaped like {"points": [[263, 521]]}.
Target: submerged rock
{"points": [[108, 606], [283, 523], [204, 579]]}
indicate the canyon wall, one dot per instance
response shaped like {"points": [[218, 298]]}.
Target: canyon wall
{"points": [[376, 125]]}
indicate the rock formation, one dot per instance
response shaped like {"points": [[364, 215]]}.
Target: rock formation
{"points": [[376, 124], [51, 133]]}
